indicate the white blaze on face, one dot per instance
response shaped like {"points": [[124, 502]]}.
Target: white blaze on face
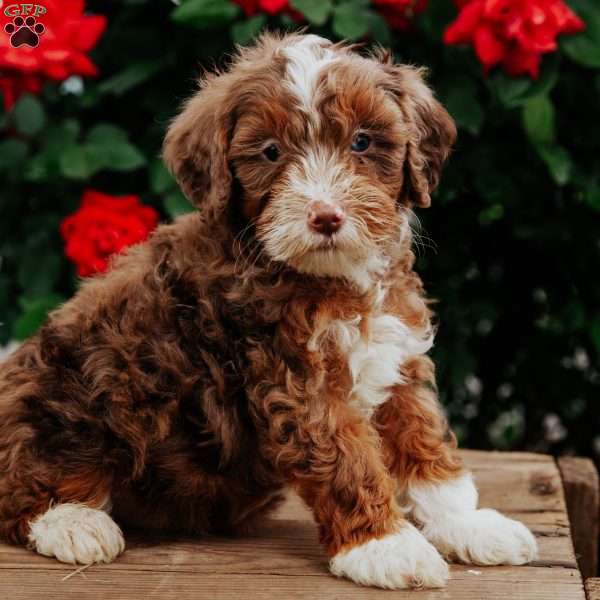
{"points": [[307, 58], [318, 175], [321, 177]]}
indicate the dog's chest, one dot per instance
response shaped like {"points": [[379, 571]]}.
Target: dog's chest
{"points": [[375, 353]]}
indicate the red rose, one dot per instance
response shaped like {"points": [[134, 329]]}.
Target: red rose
{"points": [[399, 13], [272, 7], [62, 49], [513, 33], [104, 225], [14, 84]]}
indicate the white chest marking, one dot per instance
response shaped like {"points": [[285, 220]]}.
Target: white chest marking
{"points": [[374, 361]]}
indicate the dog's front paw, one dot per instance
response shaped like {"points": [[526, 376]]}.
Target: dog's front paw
{"points": [[482, 537], [401, 560], [74, 533]]}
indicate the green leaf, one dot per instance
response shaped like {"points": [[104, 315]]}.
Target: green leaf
{"points": [[124, 156], [490, 214], [591, 193], [56, 137], [131, 77], [558, 161], [29, 115], [461, 100], [177, 204], [509, 90], [107, 147], [205, 14], [106, 133], [584, 48], [245, 31], [38, 271], [516, 91], [539, 120], [436, 18], [12, 153], [54, 142], [350, 20], [75, 163], [316, 11], [161, 180], [379, 28], [37, 168], [34, 314]]}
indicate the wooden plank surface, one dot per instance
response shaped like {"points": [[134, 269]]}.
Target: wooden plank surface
{"points": [[592, 588], [283, 560], [582, 494]]}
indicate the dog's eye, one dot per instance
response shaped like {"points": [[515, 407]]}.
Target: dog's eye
{"points": [[271, 153], [360, 142]]}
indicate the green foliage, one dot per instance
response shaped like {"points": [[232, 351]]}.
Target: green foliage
{"points": [[517, 91], [461, 100], [244, 32], [538, 118], [12, 153], [29, 116], [131, 77], [34, 314], [316, 11], [105, 147], [351, 19], [509, 248], [585, 48], [205, 14], [539, 122]]}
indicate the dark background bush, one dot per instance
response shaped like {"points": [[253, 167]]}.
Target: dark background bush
{"points": [[509, 248]]}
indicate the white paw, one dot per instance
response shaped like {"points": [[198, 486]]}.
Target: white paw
{"points": [[482, 537], [400, 560], [74, 533]]}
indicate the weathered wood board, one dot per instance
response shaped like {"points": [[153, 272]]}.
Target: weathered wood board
{"points": [[582, 495], [283, 561]]}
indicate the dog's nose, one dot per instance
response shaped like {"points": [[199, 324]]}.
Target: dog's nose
{"points": [[325, 218]]}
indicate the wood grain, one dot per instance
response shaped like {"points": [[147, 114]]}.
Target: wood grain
{"points": [[592, 589], [283, 560], [582, 492]]}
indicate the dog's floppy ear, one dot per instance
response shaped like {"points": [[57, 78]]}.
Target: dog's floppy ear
{"points": [[196, 146], [432, 131]]}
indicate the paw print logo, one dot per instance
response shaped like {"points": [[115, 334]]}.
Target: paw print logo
{"points": [[24, 32]]}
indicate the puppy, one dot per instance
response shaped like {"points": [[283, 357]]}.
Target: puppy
{"points": [[277, 337]]}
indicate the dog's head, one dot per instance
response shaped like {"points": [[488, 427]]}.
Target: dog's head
{"points": [[320, 148]]}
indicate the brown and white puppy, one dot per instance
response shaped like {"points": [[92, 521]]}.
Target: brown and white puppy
{"points": [[277, 337]]}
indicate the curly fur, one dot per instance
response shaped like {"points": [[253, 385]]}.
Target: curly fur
{"points": [[197, 378]]}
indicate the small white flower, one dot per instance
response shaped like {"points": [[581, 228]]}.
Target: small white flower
{"points": [[554, 430], [505, 390], [72, 85], [473, 385], [581, 360]]}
